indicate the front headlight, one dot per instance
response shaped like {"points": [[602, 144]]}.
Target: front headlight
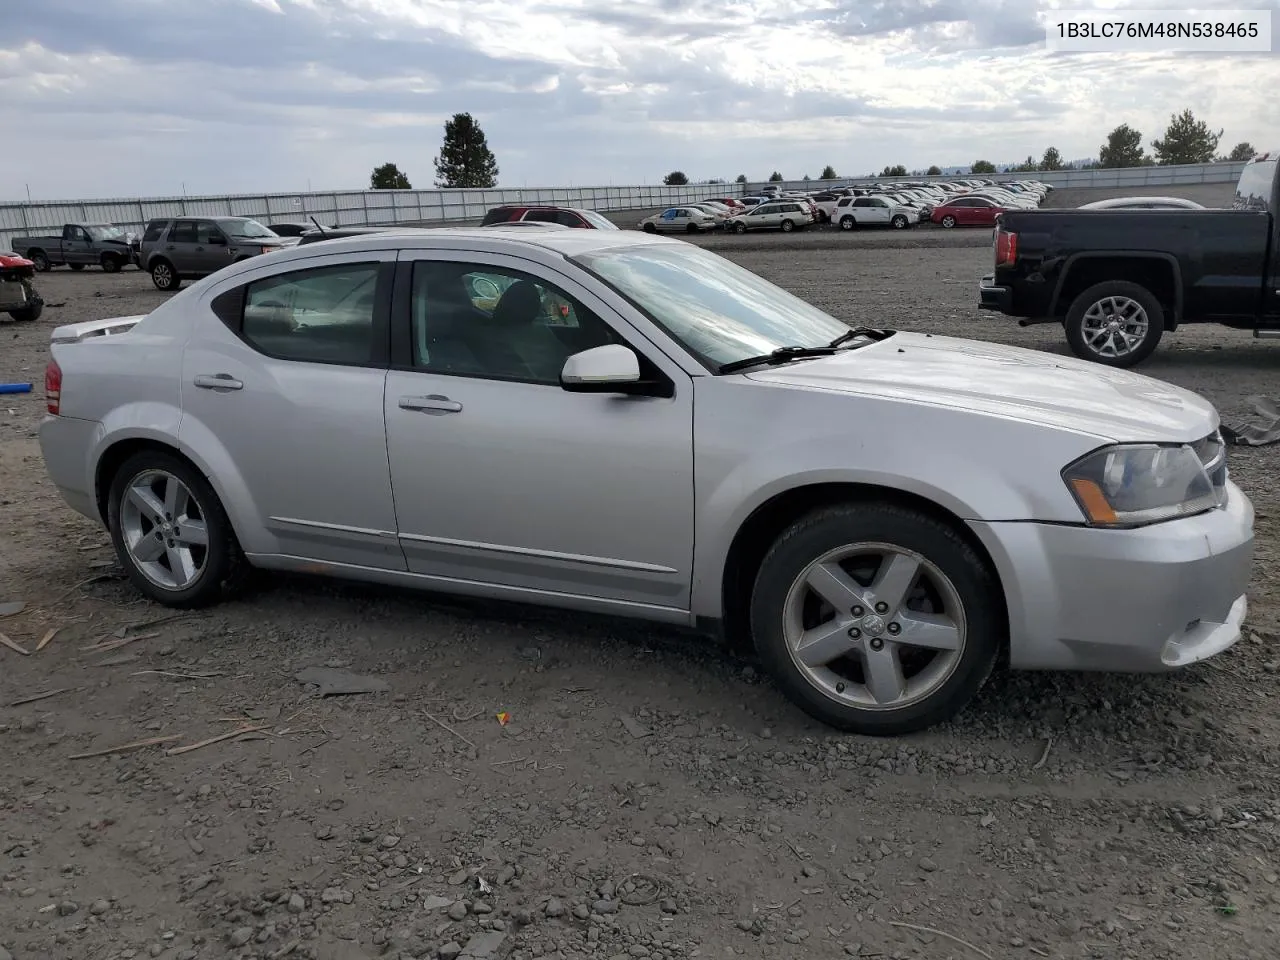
{"points": [[1131, 485]]}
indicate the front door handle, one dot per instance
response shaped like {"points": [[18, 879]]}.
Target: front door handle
{"points": [[218, 381], [435, 403]]}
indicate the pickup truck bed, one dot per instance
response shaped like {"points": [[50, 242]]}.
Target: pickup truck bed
{"points": [[1117, 280]]}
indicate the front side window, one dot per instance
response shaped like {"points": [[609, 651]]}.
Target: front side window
{"points": [[719, 311], [324, 314], [497, 323]]}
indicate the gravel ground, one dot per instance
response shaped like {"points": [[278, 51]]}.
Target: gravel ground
{"points": [[650, 797]]}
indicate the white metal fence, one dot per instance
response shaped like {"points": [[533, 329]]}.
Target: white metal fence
{"points": [[380, 207]]}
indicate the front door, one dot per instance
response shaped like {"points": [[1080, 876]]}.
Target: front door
{"points": [[212, 251], [77, 246], [503, 478], [282, 384]]}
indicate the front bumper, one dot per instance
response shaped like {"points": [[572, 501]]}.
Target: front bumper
{"points": [[1148, 600], [991, 296]]}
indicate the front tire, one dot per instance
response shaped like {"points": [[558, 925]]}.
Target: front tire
{"points": [[900, 222], [847, 223], [948, 221], [111, 263], [164, 276], [739, 228], [875, 618], [650, 228], [171, 533], [1116, 323]]}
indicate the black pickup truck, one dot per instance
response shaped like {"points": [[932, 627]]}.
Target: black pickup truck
{"points": [[1118, 279]]}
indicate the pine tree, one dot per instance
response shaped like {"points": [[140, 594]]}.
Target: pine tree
{"points": [[465, 159]]}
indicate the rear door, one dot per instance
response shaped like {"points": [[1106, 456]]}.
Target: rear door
{"points": [[180, 247]]}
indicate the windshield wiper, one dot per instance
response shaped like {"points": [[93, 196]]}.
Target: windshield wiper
{"points": [[789, 353]]}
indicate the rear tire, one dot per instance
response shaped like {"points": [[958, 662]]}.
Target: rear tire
{"points": [[40, 259], [1136, 332], [951, 598], [787, 226], [164, 276], [28, 314], [221, 567]]}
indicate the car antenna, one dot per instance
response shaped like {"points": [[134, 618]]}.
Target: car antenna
{"points": [[313, 219]]}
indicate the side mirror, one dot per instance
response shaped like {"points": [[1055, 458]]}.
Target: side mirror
{"points": [[607, 369]]}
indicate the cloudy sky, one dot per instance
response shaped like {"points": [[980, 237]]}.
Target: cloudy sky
{"points": [[152, 97]]}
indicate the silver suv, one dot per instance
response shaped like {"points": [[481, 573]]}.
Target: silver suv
{"points": [[174, 249]]}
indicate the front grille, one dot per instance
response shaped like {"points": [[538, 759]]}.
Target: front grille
{"points": [[1212, 452]]}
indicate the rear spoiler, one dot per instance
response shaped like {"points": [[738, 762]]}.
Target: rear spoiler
{"points": [[75, 332]]}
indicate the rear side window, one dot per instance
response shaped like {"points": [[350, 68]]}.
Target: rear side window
{"points": [[324, 315], [155, 229], [184, 231], [496, 215]]}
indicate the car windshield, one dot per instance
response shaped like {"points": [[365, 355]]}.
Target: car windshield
{"points": [[720, 312], [599, 221], [105, 231], [246, 228]]}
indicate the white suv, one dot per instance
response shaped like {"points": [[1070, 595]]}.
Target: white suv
{"points": [[785, 215], [874, 211]]}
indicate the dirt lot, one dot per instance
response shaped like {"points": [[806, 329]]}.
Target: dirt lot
{"points": [[650, 796]]}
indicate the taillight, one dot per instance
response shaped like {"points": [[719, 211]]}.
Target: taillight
{"points": [[1006, 248], [53, 387]]}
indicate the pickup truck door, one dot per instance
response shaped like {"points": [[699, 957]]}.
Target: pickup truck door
{"points": [[76, 245]]}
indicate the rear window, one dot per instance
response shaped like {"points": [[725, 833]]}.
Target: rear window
{"points": [[1253, 192]]}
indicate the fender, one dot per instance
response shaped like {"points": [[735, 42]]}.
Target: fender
{"points": [[1169, 258], [135, 421], [723, 510]]}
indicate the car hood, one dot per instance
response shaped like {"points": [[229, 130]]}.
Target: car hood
{"points": [[1003, 381]]}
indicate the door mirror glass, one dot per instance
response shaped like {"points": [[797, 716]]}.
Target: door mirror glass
{"points": [[601, 369]]}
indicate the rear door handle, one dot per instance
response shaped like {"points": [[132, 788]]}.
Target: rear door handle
{"points": [[218, 381], [435, 403]]}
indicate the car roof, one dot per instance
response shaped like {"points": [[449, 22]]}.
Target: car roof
{"points": [[567, 243]]}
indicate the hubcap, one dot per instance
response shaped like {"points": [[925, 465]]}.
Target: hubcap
{"points": [[1115, 326], [162, 275], [874, 626], [164, 530]]}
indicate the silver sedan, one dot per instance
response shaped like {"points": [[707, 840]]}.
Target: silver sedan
{"points": [[608, 421]]}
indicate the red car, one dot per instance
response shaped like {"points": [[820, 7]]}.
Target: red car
{"points": [[967, 212], [737, 206], [566, 216]]}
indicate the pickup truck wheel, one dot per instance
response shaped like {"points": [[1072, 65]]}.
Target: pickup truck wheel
{"points": [[1116, 323], [111, 264], [76, 266], [847, 223], [171, 533], [164, 276], [40, 259], [875, 618], [948, 221]]}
